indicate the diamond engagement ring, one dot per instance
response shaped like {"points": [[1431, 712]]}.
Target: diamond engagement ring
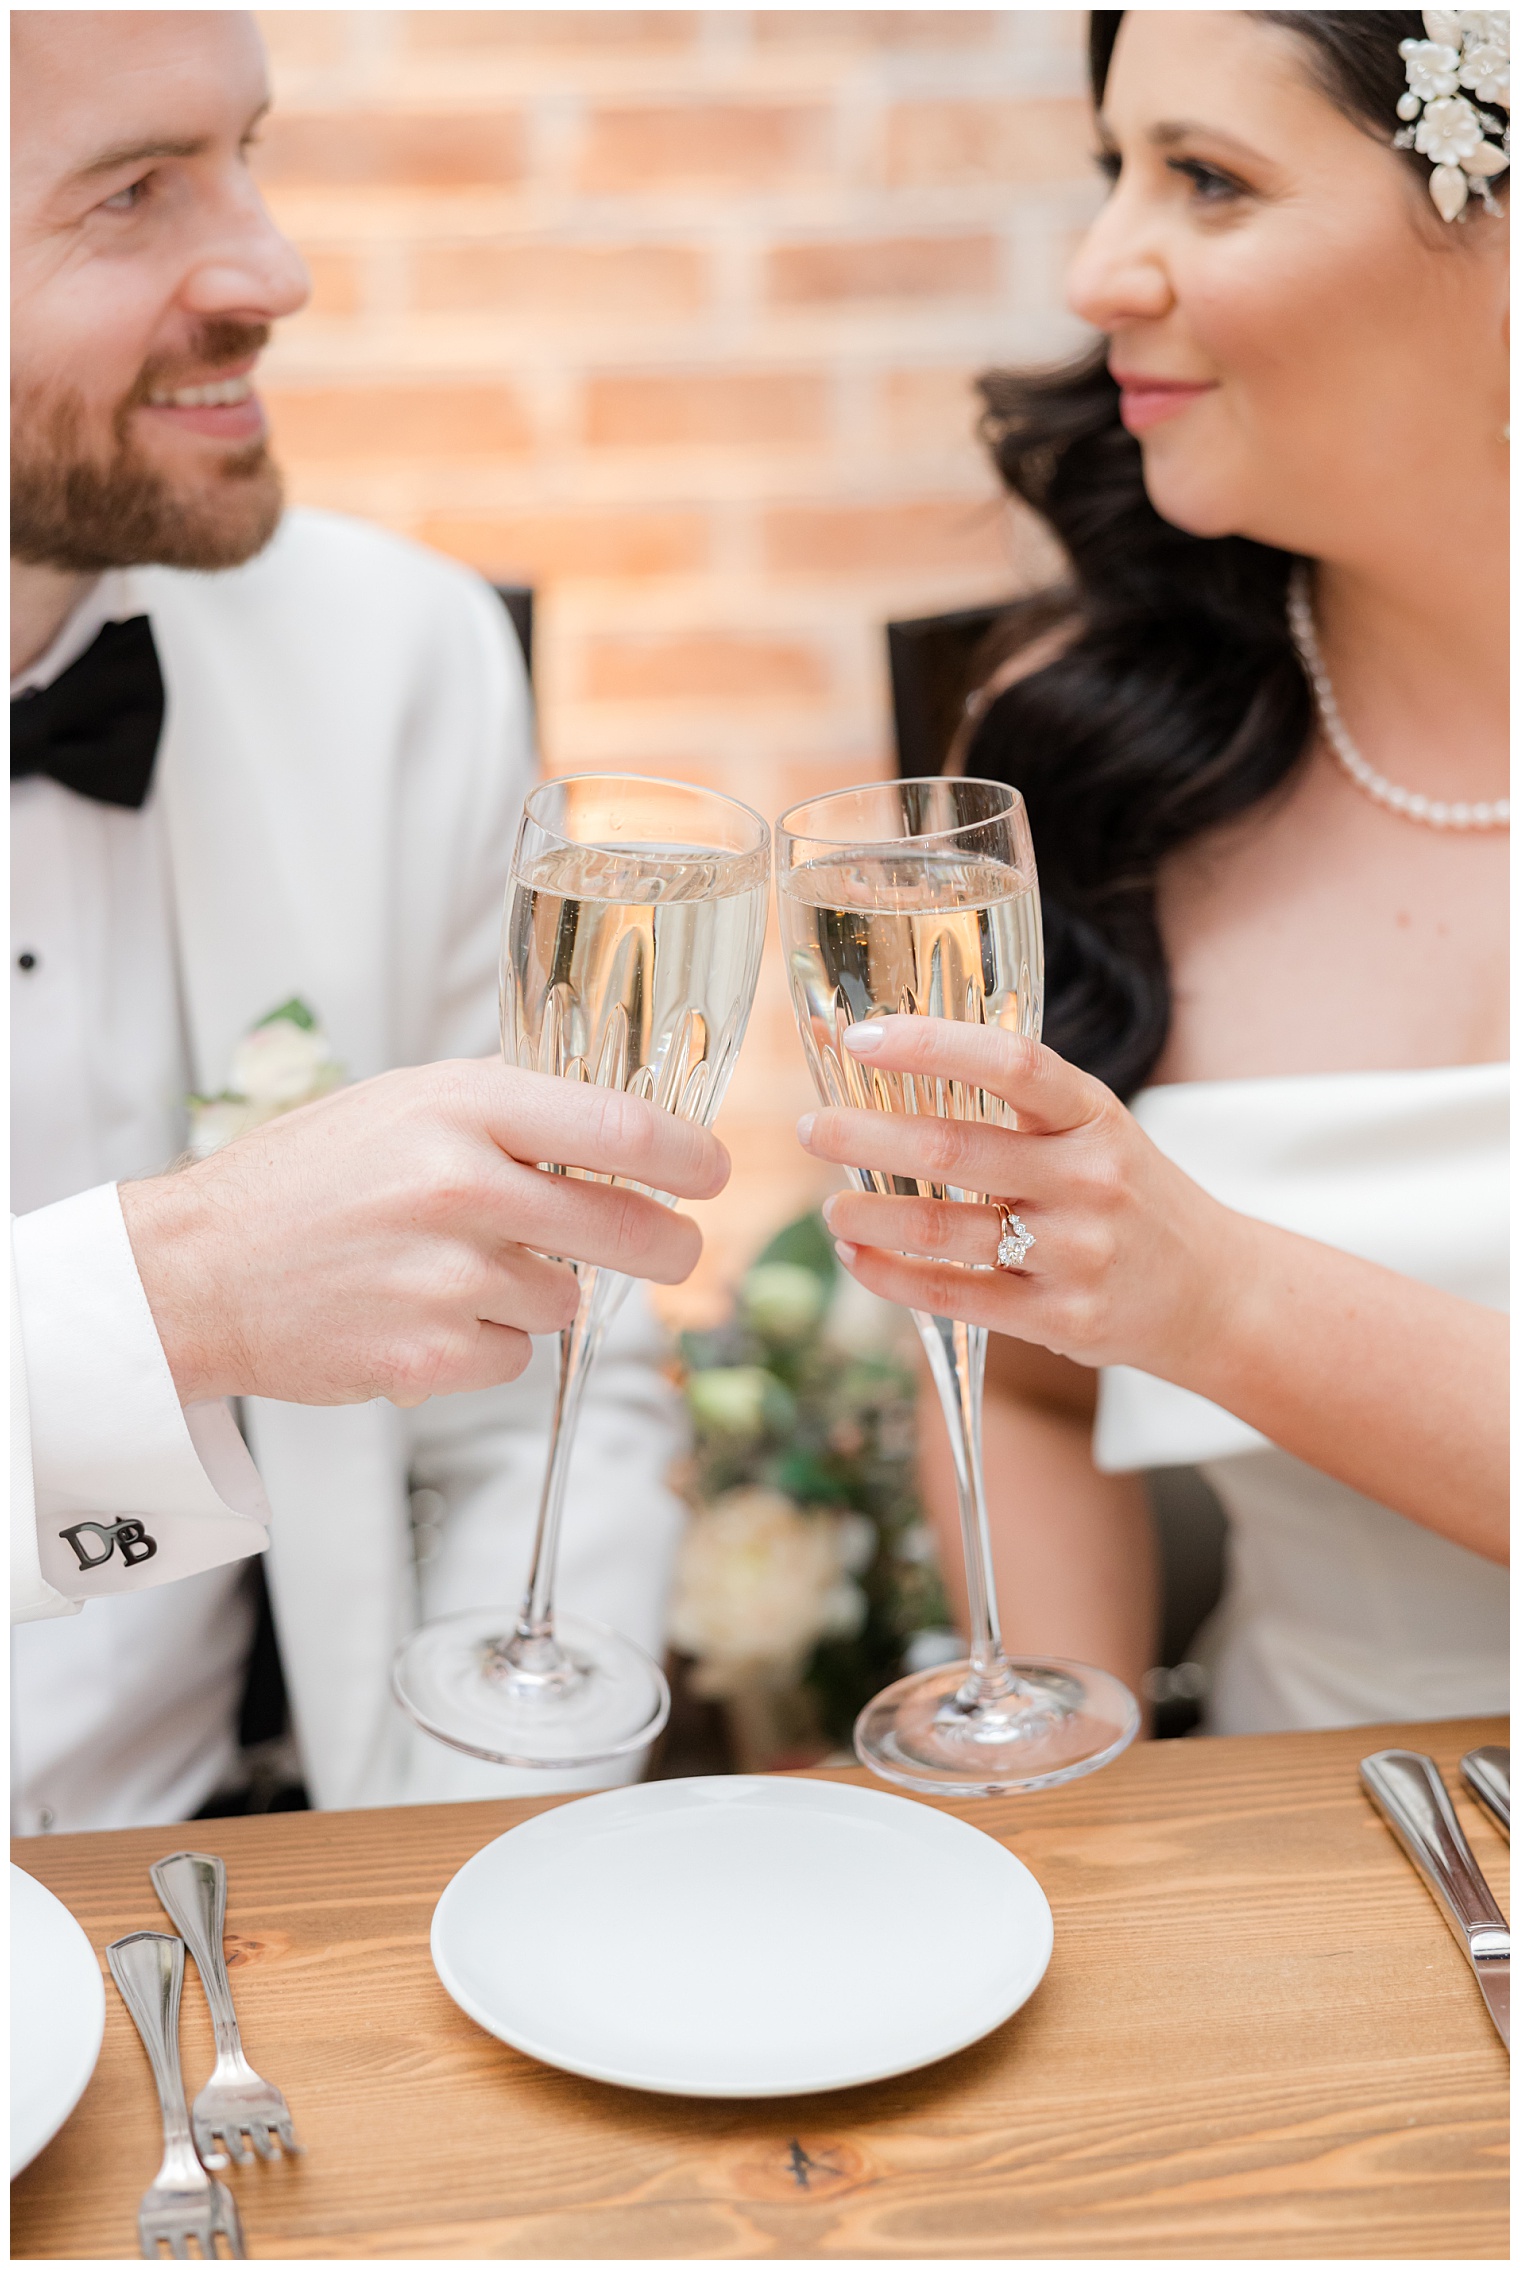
{"points": [[1014, 1240]]}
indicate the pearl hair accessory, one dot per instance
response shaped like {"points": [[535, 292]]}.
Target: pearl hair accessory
{"points": [[1464, 47], [1426, 809]]}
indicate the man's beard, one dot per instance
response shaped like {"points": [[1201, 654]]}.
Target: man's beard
{"points": [[70, 509]]}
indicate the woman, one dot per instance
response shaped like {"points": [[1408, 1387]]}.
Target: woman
{"points": [[1281, 490]]}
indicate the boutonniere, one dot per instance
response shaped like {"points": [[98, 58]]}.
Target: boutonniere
{"points": [[284, 1060]]}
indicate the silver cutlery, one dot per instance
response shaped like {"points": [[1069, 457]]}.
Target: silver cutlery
{"points": [[183, 2203], [1486, 1773], [1410, 1795], [235, 2102]]}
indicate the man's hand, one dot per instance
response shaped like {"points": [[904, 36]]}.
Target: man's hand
{"points": [[378, 1242]]}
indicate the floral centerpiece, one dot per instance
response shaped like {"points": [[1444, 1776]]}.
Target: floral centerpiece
{"points": [[807, 1573]]}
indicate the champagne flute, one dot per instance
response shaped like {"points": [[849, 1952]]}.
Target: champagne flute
{"points": [[919, 897], [631, 942]]}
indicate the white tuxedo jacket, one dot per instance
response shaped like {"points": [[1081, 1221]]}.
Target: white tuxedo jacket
{"points": [[346, 748]]}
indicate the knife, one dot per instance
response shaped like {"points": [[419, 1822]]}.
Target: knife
{"points": [[1409, 1794], [1486, 1773]]}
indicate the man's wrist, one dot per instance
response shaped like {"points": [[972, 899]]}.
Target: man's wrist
{"points": [[173, 1233]]}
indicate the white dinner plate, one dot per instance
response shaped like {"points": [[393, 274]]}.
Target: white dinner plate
{"points": [[58, 2014], [741, 1936]]}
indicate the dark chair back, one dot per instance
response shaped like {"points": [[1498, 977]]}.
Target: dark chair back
{"points": [[517, 598], [936, 665]]}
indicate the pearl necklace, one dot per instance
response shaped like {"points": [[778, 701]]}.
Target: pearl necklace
{"points": [[1348, 756]]}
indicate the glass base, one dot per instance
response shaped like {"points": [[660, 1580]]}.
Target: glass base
{"points": [[578, 1699], [1055, 1721]]}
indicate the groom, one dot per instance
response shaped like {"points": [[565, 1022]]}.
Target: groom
{"points": [[257, 757]]}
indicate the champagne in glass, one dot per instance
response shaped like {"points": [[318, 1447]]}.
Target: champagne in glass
{"points": [[631, 945], [920, 898]]}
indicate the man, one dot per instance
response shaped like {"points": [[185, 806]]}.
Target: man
{"points": [[265, 757]]}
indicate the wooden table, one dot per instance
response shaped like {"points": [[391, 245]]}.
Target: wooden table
{"points": [[1256, 2038]]}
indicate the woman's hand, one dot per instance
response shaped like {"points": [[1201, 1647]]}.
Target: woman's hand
{"points": [[1130, 1258], [1395, 1388]]}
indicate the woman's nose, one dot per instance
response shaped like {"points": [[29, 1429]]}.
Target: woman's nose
{"points": [[1119, 275]]}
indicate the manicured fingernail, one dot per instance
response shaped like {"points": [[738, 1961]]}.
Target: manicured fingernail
{"points": [[827, 1210], [805, 1128], [846, 1253], [861, 1039]]}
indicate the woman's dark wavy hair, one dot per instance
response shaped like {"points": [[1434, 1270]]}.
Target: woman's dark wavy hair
{"points": [[1180, 702]]}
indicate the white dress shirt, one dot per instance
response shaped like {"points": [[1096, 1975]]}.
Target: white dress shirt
{"points": [[130, 1713]]}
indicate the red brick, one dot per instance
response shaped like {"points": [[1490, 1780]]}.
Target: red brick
{"points": [[927, 534], [541, 547], [625, 280], [726, 145], [738, 409], [704, 666], [337, 283], [381, 149], [877, 268], [928, 409], [875, 27], [443, 420], [304, 36], [956, 143], [454, 31]]}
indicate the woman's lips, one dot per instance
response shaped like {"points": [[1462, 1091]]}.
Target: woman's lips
{"points": [[1145, 402]]}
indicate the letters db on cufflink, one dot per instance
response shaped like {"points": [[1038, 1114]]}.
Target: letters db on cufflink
{"points": [[128, 1537]]}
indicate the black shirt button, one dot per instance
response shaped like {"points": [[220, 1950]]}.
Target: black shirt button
{"points": [[26, 961]]}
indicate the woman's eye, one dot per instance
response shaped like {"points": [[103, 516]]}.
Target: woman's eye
{"points": [[127, 200], [1211, 186], [1108, 163]]}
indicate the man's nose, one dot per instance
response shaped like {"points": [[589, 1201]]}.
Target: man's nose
{"points": [[251, 269], [1119, 275]]}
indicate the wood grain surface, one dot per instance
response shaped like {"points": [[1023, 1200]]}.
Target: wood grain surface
{"points": [[1256, 2039]]}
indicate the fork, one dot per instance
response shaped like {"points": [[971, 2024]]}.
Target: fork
{"points": [[183, 2202], [193, 1888]]}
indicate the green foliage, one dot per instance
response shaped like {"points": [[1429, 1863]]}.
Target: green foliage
{"points": [[777, 1400], [292, 1012]]}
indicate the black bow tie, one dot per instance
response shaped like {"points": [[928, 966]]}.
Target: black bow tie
{"points": [[95, 729]]}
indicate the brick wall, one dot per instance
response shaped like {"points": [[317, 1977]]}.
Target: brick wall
{"points": [[674, 316]]}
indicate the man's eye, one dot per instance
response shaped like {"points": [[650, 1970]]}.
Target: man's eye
{"points": [[1212, 186], [127, 200]]}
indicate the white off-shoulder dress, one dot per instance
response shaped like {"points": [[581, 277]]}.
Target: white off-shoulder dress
{"points": [[1336, 1611]]}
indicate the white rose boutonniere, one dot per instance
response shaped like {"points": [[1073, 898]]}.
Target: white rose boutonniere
{"points": [[284, 1060]]}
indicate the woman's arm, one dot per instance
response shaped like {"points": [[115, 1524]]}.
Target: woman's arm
{"points": [[1073, 1550], [1394, 1388]]}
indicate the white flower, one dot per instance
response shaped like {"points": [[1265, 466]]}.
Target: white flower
{"points": [[1448, 191], [782, 1300], [1430, 67], [284, 1060], [1487, 160], [758, 1584], [283, 1063], [1444, 25], [1449, 131], [862, 1323], [731, 1398], [1486, 71], [215, 1120]]}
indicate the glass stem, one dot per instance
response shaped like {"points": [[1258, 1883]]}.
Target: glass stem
{"points": [[957, 1356], [533, 1646]]}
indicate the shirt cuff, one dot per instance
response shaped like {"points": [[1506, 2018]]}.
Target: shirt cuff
{"points": [[130, 1489]]}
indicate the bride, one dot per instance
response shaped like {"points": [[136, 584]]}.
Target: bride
{"points": [[1261, 732]]}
